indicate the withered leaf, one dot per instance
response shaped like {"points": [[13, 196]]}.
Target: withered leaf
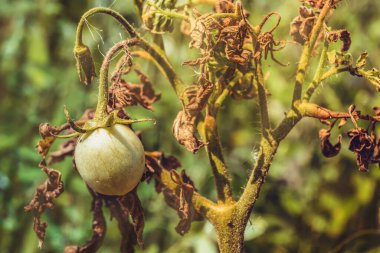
{"points": [[342, 35], [43, 198], [48, 132], [128, 239], [184, 131], [329, 150], [130, 203], [363, 145], [301, 26], [126, 94], [181, 200], [98, 228], [156, 161], [224, 6], [185, 209]]}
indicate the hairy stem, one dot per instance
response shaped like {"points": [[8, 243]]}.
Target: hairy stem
{"points": [[307, 50], [318, 73], [268, 148], [215, 154], [265, 124], [101, 108]]}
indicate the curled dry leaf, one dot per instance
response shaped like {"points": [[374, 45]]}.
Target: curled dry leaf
{"points": [[43, 198], [130, 203], [363, 145], [184, 132], [157, 161], [124, 93], [98, 228], [181, 201], [121, 208], [224, 6], [48, 132], [342, 35], [184, 125], [328, 149], [301, 26], [128, 236]]}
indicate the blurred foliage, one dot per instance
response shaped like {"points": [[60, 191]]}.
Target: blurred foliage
{"points": [[308, 204]]}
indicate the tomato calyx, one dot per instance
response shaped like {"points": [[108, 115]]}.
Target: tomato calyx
{"points": [[93, 124]]}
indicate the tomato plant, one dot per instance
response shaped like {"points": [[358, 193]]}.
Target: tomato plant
{"points": [[232, 50]]}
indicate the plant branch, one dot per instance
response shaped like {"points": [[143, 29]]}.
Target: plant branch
{"points": [[332, 71], [318, 73], [268, 148], [265, 124], [307, 50], [101, 108], [215, 155]]}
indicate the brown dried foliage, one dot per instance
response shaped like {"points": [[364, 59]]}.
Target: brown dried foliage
{"points": [[184, 128], [363, 143], [342, 35], [43, 198], [180, 199], [301, 26], [124, 93]]}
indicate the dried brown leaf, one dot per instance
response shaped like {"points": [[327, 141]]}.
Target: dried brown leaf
{"points": [[363, 145], [329, 150], [48, 132], [342, 122], [131, 203], [301, 26], [128, 239], [126, 94], [184, 131], [342, 35], [43, 198]]}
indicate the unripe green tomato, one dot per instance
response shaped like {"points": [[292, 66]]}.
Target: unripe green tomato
{"points": [[110, 160]]}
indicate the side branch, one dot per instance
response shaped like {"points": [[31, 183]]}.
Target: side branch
{"points": [[260, 170], [308, 48], [265, 123], [318, 74], [215, 154]]}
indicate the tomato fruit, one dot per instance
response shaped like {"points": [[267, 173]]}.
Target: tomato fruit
{"points": [[110, 160]]}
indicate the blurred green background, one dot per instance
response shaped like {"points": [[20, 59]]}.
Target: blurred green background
{"points": [[308, 204]]}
